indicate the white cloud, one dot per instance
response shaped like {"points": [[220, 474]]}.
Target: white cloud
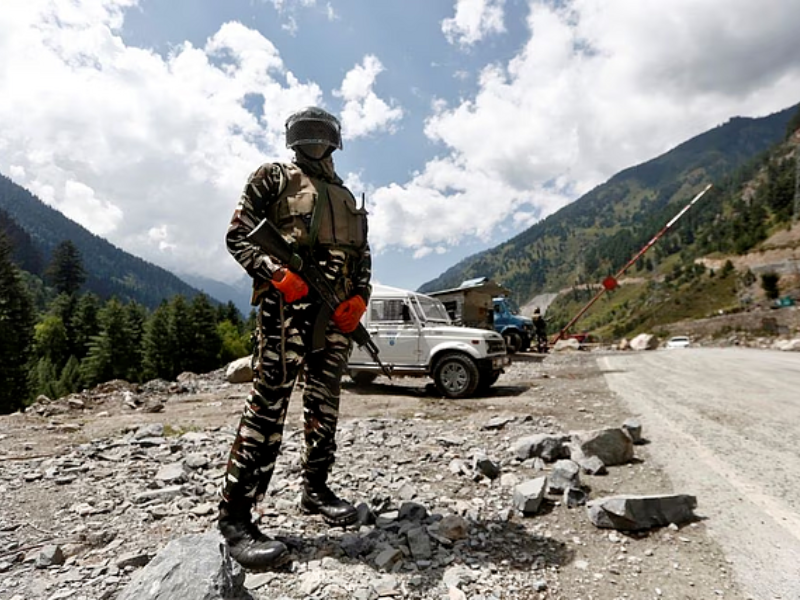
{"points": [[282, 5], [154, 150], [473, 21], [82, 206], [599, 86], [160, 235], [101, 130], [364, 112], [331, 12], [290, 8], [290, 26]]}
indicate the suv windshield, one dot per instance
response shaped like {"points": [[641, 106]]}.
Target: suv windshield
{"points": [[432, 310]]}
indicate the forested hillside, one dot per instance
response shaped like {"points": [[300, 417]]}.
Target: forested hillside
{"points": [[24, 252], [36, 229], [598, 233]]}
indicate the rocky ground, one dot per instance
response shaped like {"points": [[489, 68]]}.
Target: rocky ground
{"points": [[94, 486]]}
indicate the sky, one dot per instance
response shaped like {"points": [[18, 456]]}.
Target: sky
{"points": [[464, 121]]}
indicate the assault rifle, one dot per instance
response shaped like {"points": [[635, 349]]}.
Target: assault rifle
{"points": [[267, 237]]}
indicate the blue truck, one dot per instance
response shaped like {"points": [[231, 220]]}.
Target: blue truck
{"points": [[508, 321], [485, 304]]}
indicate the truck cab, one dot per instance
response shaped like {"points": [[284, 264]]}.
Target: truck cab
{"points": [[516, 329], [416, 338]]}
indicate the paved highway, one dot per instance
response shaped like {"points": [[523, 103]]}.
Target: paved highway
{"points": [[725, 425]]}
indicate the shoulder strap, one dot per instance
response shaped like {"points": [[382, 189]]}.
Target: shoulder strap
{"points": [[316, 215]]}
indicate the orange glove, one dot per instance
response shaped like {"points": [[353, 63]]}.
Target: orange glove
{"points": [[290, 285], [348, 313]]}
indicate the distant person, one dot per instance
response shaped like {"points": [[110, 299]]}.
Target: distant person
{"points": [[540, 330], [308, 203]]}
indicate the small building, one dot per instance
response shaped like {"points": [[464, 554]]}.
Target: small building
{"points": [[470, 304]]}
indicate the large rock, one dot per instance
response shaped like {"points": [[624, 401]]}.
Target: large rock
{"points": [[239, 371], [543, 445], [192, 566], [644, 341], [788, 345], [566, 475], [613, 446], [632, 513], [528, 495], [567, 345]]}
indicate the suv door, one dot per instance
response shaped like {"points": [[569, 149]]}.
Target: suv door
{"points": [[395, 329]]}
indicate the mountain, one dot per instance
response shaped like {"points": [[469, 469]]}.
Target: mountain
{"points": [[25, 254], [598, 233], [239, 292], [36, 229]]}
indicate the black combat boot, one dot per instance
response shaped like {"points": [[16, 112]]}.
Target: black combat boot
{"points": [[319, 499], [248, 546]]}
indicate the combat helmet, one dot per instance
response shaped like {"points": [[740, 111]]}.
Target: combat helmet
{"points": [[312, 125]]}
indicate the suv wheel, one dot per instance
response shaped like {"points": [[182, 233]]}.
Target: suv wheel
{"points": [[363, 377], [455, 375]]}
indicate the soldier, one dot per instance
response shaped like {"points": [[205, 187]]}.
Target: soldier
{"points": [[306, 201], [540, 330]]}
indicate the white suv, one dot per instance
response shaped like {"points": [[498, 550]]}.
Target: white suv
{"points": [[416, 338]]}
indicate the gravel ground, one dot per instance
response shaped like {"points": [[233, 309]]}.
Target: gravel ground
{"points": [[95, 485]]}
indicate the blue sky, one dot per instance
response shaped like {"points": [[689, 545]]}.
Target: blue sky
{"points": [[465, 121]]}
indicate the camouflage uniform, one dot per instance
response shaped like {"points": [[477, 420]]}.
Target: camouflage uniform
{"points": [[283, 333]]}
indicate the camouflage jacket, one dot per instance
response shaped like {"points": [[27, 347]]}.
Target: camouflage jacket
{"points": [[350, 274]]}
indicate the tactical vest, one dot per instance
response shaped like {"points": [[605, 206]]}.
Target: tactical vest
{"points": [[318, 214]]}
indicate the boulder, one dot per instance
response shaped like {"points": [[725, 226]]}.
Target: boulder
{"points": [[239, 371], [633, 513], [788, 345], [612, 446], [192, 566], [567, 345], [528, 495], [592, 465], [565, 475], [546, 446], [644, 341]]}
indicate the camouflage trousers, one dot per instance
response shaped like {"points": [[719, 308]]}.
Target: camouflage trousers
{"points": [[282, 348]]}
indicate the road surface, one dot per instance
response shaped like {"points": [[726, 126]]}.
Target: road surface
{"points": [[725, 424]]}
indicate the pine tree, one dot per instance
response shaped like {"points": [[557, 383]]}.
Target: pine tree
{"points": [[207, 343], [229, 312], [65, 271], [181, 338], [84, 324], [70, 380], [108, 356], [63, 307], [43, 379], [16, 333], [156, 345], [135, 319]]}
